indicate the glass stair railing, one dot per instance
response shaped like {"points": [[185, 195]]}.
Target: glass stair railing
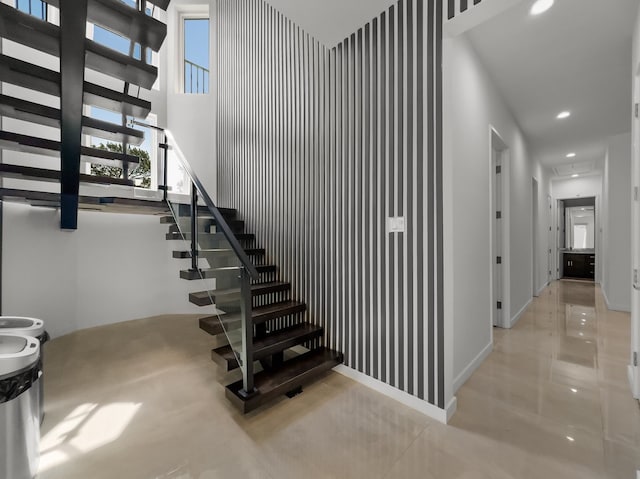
{"points": [[211, 239]]}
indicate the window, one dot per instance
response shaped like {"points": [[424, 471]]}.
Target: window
{"points": [[37, 8], [195, 72]]}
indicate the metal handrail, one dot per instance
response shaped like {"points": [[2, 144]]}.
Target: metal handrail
{"points": [[195, 181], [220, 221]]}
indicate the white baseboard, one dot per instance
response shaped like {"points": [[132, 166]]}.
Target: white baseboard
{"points": [[519, 314], [625, 308], [434, 412], [542, 288], [635, 388], [471, 367]]}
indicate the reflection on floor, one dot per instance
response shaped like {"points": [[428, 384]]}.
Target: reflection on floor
{"points": [[141, 400]]}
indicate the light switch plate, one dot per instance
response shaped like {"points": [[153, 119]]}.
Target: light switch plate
{"points": [[396, 225]]}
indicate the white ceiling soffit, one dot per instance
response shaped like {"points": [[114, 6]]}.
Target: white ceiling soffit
{"points": [[577, 57], [331, 21], [574, 169]]}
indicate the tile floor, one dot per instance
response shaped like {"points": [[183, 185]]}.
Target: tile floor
{"points": [[141, 400]]}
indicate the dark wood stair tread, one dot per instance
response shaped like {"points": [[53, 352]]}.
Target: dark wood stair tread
{"points": [[239, 236], [118, 65], [291, 375], [129, 22], [43, 174], [31, 144], [206, 224], [29, 30], [272, 343], [260, 314], [27, 75], [210, 273], [206, 298], [52, 200], [227, 251], [228, 213]]}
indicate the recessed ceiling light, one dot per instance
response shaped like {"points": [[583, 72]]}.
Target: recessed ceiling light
{"points": [[575, 176], [541, 6], [570, 439], [574, 390], [564, 114], [571, 155]]}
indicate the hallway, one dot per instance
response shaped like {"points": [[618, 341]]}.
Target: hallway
{"points": [[553, 396], [551, 401]]}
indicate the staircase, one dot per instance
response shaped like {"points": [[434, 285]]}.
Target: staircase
{"points": [[255, 319], [256, 325]]}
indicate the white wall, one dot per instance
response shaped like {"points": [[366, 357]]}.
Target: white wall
{"points": [[190, 117], [616, 284], [114, 268], [583, 187], [472, 104]]}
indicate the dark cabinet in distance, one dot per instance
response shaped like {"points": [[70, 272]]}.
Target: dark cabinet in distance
{"points": [[581, 266]]}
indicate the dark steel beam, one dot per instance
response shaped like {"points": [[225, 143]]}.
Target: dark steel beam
{"points": [[73, 20]]}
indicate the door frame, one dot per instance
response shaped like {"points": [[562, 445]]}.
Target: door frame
{"points": [[535, 236], [634, 369], [501, 148]]}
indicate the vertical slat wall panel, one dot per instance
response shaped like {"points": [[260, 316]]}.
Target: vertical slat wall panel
{"points": [[317, 148], [456, 7]]}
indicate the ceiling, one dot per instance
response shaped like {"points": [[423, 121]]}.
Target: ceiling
{"points": [[577, 56], [331, 21]]}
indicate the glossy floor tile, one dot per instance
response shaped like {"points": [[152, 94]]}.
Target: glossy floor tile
{"points": [[143, 400]]}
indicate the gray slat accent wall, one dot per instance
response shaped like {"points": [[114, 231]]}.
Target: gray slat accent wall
{"points": [[456, 7], [317, 147]]}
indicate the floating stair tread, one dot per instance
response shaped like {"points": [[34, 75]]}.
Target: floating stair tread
{"points": [[272, 343], [277, 310], [129, 22], [184, 210], [292, 374], [221, 236], [28, 111], [43, 198], [210, 273], [207, 298], [112, 100], [112, 14], [28, 30], [248, 251], [27, 75], [31, 144], [42, 174], [236, 225], [52, 200], [36, 113], [123, 67], [211, 324], [228, 213], [206, 224], [112, 131]]}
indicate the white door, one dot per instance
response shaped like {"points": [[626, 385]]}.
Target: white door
{"points": [[634, 370], [550, 239], [497, 253]]}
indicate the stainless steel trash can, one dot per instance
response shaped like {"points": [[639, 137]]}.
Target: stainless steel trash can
{"points": [[28, 327], [19, 409]]}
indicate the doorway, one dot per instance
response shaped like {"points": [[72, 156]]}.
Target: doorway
{"points": [[535, 269], [499, 231], [550, 242], [634, 370]]}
